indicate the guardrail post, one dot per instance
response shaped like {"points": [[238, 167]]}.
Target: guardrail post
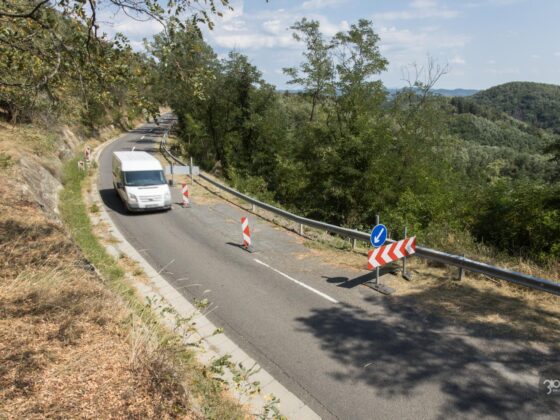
{"points": [[461, 272], [353, 244], [253, 207], [301, 229], [191, 170]]}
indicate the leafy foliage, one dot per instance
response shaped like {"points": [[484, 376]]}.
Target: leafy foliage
{"points": [[342, 151], [535, 103], [54, 61]]}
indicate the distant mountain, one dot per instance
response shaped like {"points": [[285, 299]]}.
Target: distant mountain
{"points": [[392, 91], [443, 92], [534, 103], [455, 92]]}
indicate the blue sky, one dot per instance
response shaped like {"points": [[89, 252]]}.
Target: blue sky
{"points": [[484, 42]]}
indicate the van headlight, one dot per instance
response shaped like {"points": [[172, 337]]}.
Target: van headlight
{"points": [[167, 196], [132, 197]]}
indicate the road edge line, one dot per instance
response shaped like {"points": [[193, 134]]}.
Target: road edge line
{"points": [[298, 282], [212, 346]]}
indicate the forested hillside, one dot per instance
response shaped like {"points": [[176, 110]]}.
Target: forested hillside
{"points": [[535, 103], [455, 171]]}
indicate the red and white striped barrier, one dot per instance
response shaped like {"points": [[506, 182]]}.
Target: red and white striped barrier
{"points": [[185, 193], [392, 252], [246, 233]]}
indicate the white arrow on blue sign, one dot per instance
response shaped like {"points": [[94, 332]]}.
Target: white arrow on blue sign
{"points": [[378, 235]]}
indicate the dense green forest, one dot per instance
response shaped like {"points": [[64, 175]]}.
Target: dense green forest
{"points": [[535, 103], [455, 171]]}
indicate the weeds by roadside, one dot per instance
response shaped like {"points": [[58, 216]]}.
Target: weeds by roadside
{"points": [[154, 345]]}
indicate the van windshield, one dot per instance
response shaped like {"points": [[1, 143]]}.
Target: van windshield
{"points": [[143, 178]]}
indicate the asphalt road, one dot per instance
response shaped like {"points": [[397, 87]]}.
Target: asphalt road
{"points": [[345, 350]]}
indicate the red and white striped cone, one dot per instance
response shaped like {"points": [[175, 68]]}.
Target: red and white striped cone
{"points": [[185, 194], [246, 234]]}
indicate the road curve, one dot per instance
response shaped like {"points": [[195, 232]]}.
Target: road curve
{"points": [[344, 350]]}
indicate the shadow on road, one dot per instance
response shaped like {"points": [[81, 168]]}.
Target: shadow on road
{"points": [[347, 283], [471, 361], [112, 200]]}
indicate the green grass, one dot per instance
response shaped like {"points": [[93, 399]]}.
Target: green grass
{"points": [[5, 161], [204, 382]]}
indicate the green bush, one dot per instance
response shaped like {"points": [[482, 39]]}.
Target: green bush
{"points": [[521, 217]]}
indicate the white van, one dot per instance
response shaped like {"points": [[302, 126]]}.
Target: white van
{"points": [[139, 180]]}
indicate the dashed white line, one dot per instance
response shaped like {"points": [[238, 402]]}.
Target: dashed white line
{"points": [[330, 299], [142, 138]]}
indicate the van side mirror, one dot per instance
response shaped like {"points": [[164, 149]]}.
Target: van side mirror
{"points": [[119, 184]]}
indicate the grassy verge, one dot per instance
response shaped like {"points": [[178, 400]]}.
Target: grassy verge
{"points": [[170, 362]]}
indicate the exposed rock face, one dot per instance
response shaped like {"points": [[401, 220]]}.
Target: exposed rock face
{"points": [[70, 143], [40, 185]]}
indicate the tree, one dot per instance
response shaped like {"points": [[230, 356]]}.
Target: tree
{"points": [[317, 72], [43, 42], [357, 60]]}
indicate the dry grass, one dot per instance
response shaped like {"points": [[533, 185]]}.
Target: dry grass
{"points": [[24, 140], [498, 306], [65, 339]]}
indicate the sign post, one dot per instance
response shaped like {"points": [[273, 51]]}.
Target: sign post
{"points": [[377, 238], [406, 275]]}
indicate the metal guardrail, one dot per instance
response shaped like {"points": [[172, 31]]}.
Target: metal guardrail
{"points": [[427, 253]]}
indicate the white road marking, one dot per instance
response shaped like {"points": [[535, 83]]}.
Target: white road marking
{"points": [[330, 299], [166, 265], [142, 138]]}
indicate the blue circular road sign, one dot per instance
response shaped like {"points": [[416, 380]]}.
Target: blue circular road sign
{"points": [[378, 235]]}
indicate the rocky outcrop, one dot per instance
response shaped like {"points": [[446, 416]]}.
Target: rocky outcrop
{"points": [[40, 185]]}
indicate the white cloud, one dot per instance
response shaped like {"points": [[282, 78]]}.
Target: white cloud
{"points": [[135, 30], [535, 56], [253, 41], [404, 45], [266, 29], [557, 54], [319, 4], [423, 4], [236, 11], [419, 9], [457, 59]]}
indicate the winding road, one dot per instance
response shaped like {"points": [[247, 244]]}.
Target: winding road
{"points": [[343, 349]]}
